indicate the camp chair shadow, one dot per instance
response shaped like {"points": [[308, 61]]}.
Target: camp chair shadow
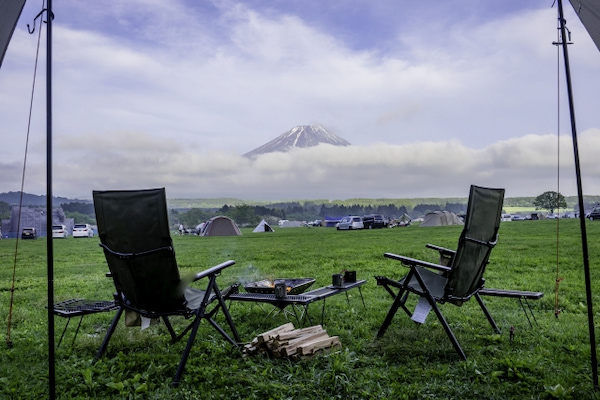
{"points": [[461, 278], [134, 233]]}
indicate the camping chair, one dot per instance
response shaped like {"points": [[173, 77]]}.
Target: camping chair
{"points": [[134, 233], [462, 278]]}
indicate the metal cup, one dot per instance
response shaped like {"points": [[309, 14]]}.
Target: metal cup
{"points": [[337, 280], [280, 289]]}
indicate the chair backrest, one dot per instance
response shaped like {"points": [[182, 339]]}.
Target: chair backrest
{"points": [[475, 244], [134, 231]]}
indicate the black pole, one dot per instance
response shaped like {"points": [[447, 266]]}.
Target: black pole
{"points": [[49, 242], [584, 245]]}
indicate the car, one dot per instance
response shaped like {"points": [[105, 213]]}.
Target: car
{"points": [[594, 214], [28, 233], [518, 218], [83, 230], [373, 221], [506, 217], [60, 231], [350, 222]]}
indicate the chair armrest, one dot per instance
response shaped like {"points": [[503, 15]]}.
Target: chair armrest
{"points": [[214, 270], [414, 262], [442, 250]]}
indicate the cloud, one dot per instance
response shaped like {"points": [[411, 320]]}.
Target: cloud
{"points": [[525, 166], [149, 94]]}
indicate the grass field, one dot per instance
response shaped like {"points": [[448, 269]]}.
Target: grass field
{"points": [[546, 361]]}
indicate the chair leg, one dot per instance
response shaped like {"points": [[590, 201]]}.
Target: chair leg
{"points": [[186, 351], [444, 323], [487, 313], [111, 330], [390, 316], [440, 317]]}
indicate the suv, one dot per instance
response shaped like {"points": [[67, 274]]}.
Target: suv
{"points": [[82, 230], [28, 233], [60, 231], [350, 222], [373, 221], [594, 214]]}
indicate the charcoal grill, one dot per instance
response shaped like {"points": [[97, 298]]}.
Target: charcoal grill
{"points": [[267, 286]]}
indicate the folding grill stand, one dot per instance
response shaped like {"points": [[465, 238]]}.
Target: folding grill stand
{"points": [[80, 307], [301, 300]]}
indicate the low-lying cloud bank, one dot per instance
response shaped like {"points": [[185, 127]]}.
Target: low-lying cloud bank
{"points": [[525, 166]]}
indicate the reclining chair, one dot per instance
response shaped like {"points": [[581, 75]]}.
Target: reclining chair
{"points": [[462, 276], [134, 233]]}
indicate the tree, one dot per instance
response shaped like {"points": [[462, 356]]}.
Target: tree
{"points": [[550, 201]]}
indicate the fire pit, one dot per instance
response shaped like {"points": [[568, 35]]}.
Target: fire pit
{"points": [[267, 286]]}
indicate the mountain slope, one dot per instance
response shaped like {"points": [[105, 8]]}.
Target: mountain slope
{"points": [[300, 136]]}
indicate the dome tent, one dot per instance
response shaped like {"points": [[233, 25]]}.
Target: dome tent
{"points": [[220, 226], [441, 218]]}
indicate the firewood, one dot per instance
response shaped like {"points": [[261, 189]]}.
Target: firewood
{"points": [[318, 344], [262, 338], [298, 332], [292, 347]]}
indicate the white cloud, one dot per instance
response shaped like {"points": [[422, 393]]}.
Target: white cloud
{"points": [[171, 95]]}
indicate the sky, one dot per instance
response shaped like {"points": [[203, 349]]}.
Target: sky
{"points": [[434, 96]]}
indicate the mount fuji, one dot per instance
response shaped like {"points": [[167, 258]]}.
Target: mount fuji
{"points": [[300, 136]]}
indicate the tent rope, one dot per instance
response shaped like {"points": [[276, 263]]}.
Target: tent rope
{"points": [[12, 288]]}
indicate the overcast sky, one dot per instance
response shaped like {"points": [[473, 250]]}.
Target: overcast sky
{"points": [[434, 96]]}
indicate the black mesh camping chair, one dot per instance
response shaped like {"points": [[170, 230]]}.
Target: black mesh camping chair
{"points": [[134, 233], [461, 278]]}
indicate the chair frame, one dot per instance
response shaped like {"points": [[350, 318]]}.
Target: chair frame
{"points": [[211, 294], [415, 282]]}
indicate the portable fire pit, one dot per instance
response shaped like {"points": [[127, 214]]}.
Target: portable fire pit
{"points": [[267, 286]]}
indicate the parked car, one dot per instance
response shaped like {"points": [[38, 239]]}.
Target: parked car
{"points": [[83, 230], [28, 233], [506, 217], [373, 221], [518, 218], [350, 222], [594, 214], [60, 231]]}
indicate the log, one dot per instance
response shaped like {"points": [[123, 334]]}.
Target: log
{"points": [[292, 347], [264, 337], [318, 344]]}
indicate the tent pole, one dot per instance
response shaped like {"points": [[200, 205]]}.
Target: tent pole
{"points": [[584, 243], [49, 242]]}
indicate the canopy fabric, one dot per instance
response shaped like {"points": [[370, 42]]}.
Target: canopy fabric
{"points": [[589, 14], [10, 10]]}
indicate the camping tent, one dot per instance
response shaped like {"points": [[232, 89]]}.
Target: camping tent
{"points": [[220, 226], [441, 218], [263, 227]]}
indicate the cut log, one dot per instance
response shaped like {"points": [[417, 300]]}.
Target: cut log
{"points": [[264, 337], [318, 344]]}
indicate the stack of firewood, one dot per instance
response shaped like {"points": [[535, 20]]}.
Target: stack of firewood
{"points": [[287, 341]]}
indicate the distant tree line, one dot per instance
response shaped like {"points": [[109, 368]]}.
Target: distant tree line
{"points": [[250, 215]]}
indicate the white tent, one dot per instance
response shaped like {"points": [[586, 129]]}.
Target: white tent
{"points": [[263, 227]]}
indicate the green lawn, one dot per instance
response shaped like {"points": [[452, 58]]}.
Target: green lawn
{"points": [[549, 360]]}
